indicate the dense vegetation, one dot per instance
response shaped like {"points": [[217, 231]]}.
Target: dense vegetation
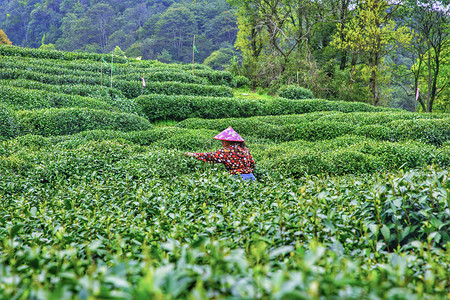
{"points": [[388, 53], [351, 200]]}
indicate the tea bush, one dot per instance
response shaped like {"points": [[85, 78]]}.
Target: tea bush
{"points": [[123, 217], [163, 76], [315, 127], [9, 127], [64, 121], [216, 77], [180, 107], [25, 98], [350, 201], [295, 92], [52, 54], [98, 92], [240, 81], [133, 89]]}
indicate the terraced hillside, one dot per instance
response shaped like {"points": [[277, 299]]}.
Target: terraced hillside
{"points": [[97, 199]]}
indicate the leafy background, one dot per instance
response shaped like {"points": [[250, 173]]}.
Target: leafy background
{"points": [[351, 201]]}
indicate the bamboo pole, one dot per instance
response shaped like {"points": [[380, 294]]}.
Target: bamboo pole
{"points": [[112, 59], [193, 54], [101, 70]]}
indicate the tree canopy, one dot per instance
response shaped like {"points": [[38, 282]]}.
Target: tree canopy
{"points": [[376, 51]]}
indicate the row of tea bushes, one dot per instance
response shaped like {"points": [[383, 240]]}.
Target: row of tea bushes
{"points": [[348, 155], [81, 67], [342, 155], [119, 161], [37, 95], [6, 50], [120, 72], [27, 99], [98, 221], [9, 127], [65, 121], [162, 76], [131, 89], [429, 130], [49, 68], [93, 91], [179, 107], [51, 79]]}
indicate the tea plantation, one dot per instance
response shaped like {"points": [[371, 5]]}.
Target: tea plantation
{"points": [[97, 200]]}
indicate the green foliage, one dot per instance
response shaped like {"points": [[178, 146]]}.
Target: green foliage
{"points": [[98, 92], [350, 200], [241, 81], [133, 89], [323, 125], [52, 54], [9, 127], [85, 217], [295, 92], [164, 76], [219, 59], [24, 98], [47, 47], [180, 107], [64, 121]]}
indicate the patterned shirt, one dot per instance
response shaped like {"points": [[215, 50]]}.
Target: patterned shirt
{"points": [[236, 159]]}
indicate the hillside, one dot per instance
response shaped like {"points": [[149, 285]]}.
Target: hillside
{"points": [[97, 199]]}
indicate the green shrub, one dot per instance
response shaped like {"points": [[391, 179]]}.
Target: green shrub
{"points": [[72, 120], [9, 127], [180, 107], [163, 76], [25, 98], [241, 81], [216, 77], [431, 131], [52, 54], [315, 127], [163, 137], [295, 92], [133, 89], [93, 91]]}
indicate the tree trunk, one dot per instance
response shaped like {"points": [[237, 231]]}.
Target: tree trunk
{"points": [[374, 60], [343, 16], [430, 82]]}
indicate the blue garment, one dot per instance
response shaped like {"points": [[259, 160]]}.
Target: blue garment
{"points": [[246, 176]]}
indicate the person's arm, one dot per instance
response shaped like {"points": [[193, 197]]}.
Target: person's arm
{"points": [[212, 157]]}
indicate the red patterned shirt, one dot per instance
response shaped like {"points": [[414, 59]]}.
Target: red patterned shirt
{"points": [[236, 159]]}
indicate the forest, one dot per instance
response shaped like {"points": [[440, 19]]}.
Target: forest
{"points": [[385, 53]]}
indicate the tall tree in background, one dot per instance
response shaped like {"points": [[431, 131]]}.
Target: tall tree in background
{"points": [[99, 19], [17, 21], [371, 34], [4, 39], [175, 30], [430, 22], [72, 32], [272, 32]]}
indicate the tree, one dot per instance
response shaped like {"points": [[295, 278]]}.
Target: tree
{"points": [[222, 28], [219, 59], [99, 23], [431, 41], [175, 30], [4, 39], [16, 23], [73, 34], [371, 34]]}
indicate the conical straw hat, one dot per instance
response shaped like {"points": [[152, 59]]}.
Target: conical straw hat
{"points": [[229, 135]]}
